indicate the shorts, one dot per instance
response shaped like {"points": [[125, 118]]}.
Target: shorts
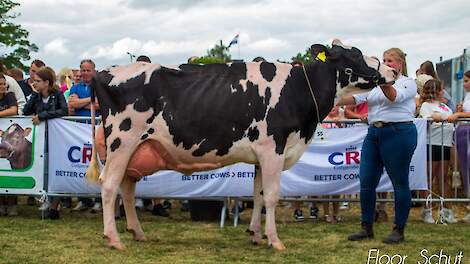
{"points": [[436, 153]]}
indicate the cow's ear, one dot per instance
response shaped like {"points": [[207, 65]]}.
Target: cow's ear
{"points": [[26, 131], [319, 52]]}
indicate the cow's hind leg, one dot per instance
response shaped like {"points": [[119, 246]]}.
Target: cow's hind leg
{"points": [[271, 167], [128, 197], [111, 178], [255, 224]]}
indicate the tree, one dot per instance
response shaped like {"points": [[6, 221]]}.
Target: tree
{"points": [[219, 51], [14, 41], [305, 57]]}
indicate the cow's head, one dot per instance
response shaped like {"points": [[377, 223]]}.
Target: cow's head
{"points": [[13, 140], [354, 69]]}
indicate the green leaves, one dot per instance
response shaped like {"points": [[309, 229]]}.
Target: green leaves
{"points": [[14, 43], [218, 54]]}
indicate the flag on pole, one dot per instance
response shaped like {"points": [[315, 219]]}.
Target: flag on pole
{"points": [[234, 41]]}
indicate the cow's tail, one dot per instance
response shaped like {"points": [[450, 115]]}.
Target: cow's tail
{"points": [[93, 171]]}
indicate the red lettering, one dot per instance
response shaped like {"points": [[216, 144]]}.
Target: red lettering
{"points": [[87, 151], [352, 156]]}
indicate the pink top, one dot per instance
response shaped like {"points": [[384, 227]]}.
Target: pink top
{"points": [[362, 109], [63, 87]]}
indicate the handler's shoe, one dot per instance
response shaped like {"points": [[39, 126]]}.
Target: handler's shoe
{"points": [[397, 236], [366, 233], [426, 215], [298, 215]]}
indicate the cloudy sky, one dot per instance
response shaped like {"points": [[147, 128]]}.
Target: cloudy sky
{"points": [[169, 32]]}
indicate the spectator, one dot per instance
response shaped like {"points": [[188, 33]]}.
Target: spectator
{"points": [[143, 58], [462, 136], [390, 142], [8, 107], [65, 79], [46, 102], [27, 84], [76, 76], [80, 105], [334, 115], [356, 112], [441, 135], [192, 59], [16, 74], [427, 67], [261, 59], [80, 93], [14, 88]]}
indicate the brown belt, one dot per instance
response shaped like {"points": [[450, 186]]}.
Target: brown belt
{"points": [[380, 124]]}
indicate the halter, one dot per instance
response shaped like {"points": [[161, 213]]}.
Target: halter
{"points": [[311, 92], [375, 77]]}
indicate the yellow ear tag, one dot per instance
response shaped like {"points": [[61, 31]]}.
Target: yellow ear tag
{"points": [[321, 56]]}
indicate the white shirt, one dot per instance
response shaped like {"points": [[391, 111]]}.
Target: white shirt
{"points": [[15, 88], [439, 135], [466, 103], [382, 109]]}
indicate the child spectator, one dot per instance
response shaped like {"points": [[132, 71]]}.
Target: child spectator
{"points": [[46, 102], [441, 135]]}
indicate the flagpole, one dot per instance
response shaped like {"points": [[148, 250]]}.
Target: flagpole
{"points": [[239, 57]]}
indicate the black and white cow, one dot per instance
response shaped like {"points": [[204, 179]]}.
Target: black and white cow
{"points": [[202, 117]]}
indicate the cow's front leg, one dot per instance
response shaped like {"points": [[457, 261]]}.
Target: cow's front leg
{"points": [[128, 197], [255, 224], [271, 166]]}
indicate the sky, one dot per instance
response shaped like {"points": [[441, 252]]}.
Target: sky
{"points": [[169, 32]]}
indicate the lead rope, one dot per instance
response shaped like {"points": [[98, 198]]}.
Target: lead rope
{"points": [[311, 92]]}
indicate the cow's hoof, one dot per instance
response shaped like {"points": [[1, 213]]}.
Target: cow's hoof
{"points": [[278, 246], [116, 245], [137, 236], [257, 240]]}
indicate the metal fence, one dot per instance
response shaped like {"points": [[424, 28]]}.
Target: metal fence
{"points": [[458, 176]]}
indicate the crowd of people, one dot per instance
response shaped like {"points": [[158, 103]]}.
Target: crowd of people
{"points": [[45, 95]]}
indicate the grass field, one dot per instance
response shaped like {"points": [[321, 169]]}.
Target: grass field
{"points": [[76, 238]]}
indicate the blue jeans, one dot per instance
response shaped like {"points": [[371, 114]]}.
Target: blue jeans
{"points": [[391, 147]]}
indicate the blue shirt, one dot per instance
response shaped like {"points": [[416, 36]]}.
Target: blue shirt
{"points": [[82, 91]]}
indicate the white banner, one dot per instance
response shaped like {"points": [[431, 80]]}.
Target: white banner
{"points": [[21, 156], [329, 166]]}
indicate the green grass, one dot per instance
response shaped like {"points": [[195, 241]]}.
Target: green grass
{"points": [[77, 238]]}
